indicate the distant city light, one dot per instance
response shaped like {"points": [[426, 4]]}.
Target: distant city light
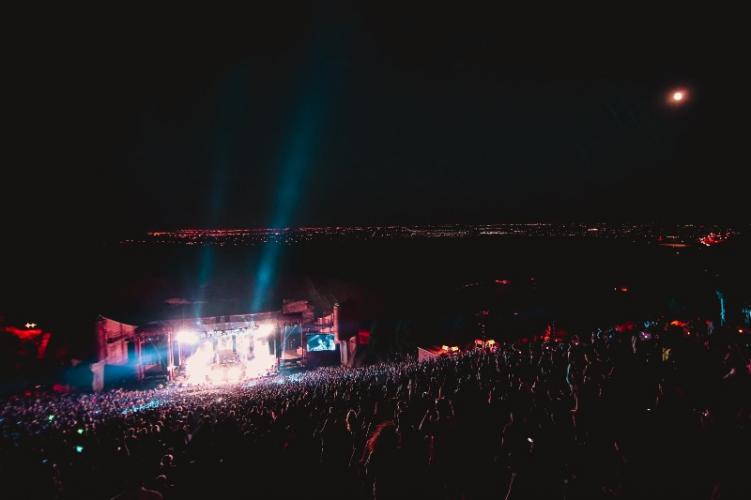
{"points": [[713, 238], [79, 431], [677, 96], [79, 448], [188, 337], [30, 325]]}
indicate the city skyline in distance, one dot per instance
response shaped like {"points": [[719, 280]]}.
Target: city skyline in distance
{"points": [[666, 234]]}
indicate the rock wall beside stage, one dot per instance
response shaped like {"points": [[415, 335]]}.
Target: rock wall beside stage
{"points": [[112, 340]]}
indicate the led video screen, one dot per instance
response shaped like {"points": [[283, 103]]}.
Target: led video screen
{"points": [[321, 342]]}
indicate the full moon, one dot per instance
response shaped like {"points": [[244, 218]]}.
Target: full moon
{"points": [[677, 96]]}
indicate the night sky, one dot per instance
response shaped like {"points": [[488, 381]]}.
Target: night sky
{"points": [[316, 117]]}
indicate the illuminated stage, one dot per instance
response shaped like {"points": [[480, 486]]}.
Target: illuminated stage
{"points": [[216, 350], [228, 356]]}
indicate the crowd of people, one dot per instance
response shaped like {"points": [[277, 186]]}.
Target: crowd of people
{"points": [[607, 415]]}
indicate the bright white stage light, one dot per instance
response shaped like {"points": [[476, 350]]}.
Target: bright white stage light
{"points": [[234, 373], [188, 337], [264, 330], [254, 356]]}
